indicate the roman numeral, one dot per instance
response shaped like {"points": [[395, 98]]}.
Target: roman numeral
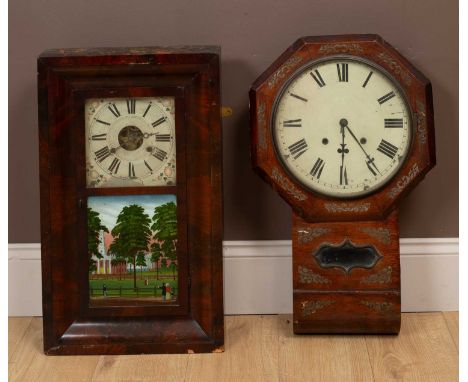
{"points": [[148, 166], [293, 123], [343, 73], [147, 109], [317, 169], [318, 78], [393, 123], [298, 148], [343, 176], [163, 137], [103, 122], [114, 166], [367, 79], [99, 137], [298, 97], [386, 97], [159, 154], [102, 154], [114, 110], [387, 148], [131, 103], [159, 121], [131, 170]]}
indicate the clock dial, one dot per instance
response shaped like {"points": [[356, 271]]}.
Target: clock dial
{"points": [[130, 142], [342, 127]]}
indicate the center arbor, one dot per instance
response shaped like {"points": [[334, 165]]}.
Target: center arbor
{"points": [[133, 233]]}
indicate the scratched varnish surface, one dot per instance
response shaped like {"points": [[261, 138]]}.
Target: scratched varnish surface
{"points": [[259, 348]]}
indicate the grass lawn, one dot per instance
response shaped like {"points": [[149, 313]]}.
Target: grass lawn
{"points": [[114, 285]]}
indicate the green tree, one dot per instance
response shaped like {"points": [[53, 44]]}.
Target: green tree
{"points": [[94, 230], [141, 262], [165, 229], [131, 234], [156, 254]]}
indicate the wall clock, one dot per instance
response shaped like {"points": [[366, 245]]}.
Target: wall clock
{"points": [[131, 200], [342, 128]]}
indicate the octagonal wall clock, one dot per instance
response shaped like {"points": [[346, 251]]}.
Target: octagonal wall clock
{"points": [[342, 128], [130, 149]]}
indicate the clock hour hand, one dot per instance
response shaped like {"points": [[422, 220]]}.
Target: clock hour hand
{"points": [[147, 135], [369, 160]]}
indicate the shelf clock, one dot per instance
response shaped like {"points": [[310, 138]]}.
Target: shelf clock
{"points": [[342, 128], [131, 200]]}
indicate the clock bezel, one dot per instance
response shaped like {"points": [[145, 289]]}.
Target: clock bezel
{"points": [[313, 206], [381, 70], [89, 128]]}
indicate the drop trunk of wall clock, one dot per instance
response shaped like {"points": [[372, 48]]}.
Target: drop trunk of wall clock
{"points": [[346, 276], [342, 128]]}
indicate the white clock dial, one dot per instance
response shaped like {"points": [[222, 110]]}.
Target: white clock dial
{"points": [[342, 127], [130, 142]]}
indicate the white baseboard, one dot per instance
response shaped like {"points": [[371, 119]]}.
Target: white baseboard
{"points": [[258, 276]]}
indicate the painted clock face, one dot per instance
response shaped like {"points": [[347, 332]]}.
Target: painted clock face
{"points": [[130, 142], [342, 127]]}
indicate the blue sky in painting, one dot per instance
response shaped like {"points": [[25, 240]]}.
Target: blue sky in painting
{"points": [[109, 207]]}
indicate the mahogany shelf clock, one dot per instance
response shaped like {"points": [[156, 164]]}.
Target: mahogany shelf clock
{"points": [[131, 200], [342, 128]]}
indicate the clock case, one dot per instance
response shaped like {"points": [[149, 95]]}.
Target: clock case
{"points": [[66, 78], [339, 287]]}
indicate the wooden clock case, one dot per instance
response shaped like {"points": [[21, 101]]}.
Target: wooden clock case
{"points": [[66, 78], [355, 293]]}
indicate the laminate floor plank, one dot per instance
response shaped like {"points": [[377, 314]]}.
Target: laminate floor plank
{"points": [[251, 353], [28, 363], [321, 357], [259, 348], [144, 367], [451, 319], [423, 351], [17, 326]]}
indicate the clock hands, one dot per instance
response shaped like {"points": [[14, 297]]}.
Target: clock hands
{"points": [[343, 150], [370, 161], [147, 135]]}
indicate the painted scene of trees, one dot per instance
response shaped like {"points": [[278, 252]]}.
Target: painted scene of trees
{"points": [[132, 243]]}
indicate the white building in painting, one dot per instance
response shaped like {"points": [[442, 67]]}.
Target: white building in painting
{"points": [[104, 264]]}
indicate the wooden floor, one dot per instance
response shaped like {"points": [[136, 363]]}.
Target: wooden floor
{"points": [[259, 348]]}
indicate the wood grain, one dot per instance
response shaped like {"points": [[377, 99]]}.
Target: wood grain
{"points": [[451, 319], [368, 219], [16, 328], [260, 348], [30, 364], [424, 351], [162, 368], [315, 207], [252, 356], [67, 77], [360, 301], [319, 358]]}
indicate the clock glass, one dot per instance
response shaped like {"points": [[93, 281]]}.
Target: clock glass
{"points": [[342, 126], [130, 142]]}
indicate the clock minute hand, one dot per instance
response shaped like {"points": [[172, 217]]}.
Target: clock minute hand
{"points": [[370, 161], [343, 150]]}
